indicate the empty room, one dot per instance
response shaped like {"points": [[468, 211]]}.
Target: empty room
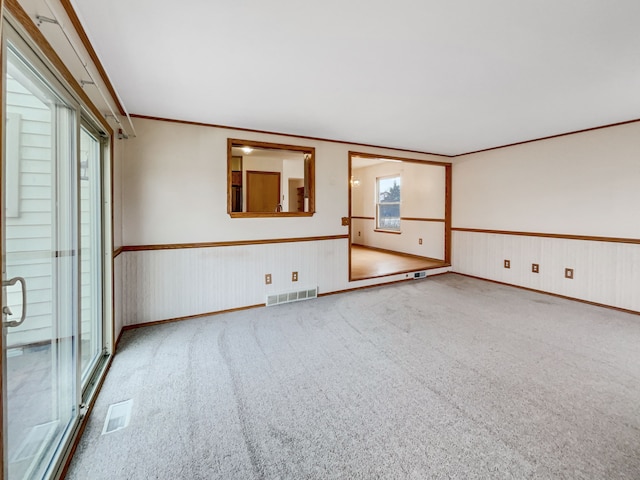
{"points": [[276, 240]]}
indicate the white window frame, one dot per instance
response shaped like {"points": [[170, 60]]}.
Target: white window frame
{"points": [[379, 203]]}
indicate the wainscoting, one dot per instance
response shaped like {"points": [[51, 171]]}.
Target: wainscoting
{"points": [[604, 271], [171, 283]]}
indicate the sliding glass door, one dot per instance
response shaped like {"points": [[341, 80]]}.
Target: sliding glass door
{"points": [[91, 325], [52, 247]]}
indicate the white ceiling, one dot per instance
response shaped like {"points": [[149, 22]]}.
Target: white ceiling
{"points": [[447, 76]]}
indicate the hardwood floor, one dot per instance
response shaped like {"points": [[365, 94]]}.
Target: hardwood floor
{"points": [[369, 262]]}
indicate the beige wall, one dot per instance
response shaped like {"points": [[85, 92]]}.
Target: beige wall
{"points": [[175, 187], [580, 184], [118, 164], [422, 196], [174, 191], [583, 184]]}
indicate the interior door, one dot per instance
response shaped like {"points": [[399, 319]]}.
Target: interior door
{"points": [[39, 268], [263, 191]]}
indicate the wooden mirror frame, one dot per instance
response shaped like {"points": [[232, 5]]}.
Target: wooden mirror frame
{"points": [[309, 177]]}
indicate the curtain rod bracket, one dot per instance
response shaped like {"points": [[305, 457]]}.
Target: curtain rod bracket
{"points": [[42, 20]]}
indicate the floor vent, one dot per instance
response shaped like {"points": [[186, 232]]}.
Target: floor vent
{"points": [[37, 438], [419, 275], [118, 417], [289, 297]]}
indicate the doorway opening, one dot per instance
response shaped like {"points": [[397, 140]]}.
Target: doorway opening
{"points": [[400, 211]]}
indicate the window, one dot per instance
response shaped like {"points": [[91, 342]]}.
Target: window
{"points": [[388, 203]]}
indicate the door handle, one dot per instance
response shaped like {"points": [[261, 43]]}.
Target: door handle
{"points": [[7, 311]]}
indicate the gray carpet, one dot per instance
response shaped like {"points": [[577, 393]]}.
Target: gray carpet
{"points": [[448, 377]]}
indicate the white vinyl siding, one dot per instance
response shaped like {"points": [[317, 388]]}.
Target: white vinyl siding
{"points": [[30, 219]]}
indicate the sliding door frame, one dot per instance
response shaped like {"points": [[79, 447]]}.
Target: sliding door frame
{"points": [[23, 30], [3, 406]]}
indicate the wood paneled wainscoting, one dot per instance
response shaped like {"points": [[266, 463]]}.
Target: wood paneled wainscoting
{"points": [[605, 269], [173, 282]]}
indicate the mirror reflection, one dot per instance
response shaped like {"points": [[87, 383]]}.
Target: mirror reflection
{"points": [[266, 179]]}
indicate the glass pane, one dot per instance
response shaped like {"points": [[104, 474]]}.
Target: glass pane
{"points": [[389, 189], [90, 253], [389, 203], [40, 245], [389, 216]]}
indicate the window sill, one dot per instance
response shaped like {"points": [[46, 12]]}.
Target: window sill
{"points": [[388, 231]]}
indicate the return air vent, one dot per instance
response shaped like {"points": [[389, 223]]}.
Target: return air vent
{"points": [[289, 297], [118, 417]]}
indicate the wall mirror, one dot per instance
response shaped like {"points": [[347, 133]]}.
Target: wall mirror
{"points": [[269, 179]]}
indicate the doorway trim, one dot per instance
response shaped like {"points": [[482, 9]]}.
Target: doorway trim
{"points": [[447, 206]]}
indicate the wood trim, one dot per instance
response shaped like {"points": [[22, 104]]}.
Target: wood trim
{"points": [[635, 241], [419, 219], [595, 304], [178, 246], [447, 220], [403, 254], [350, 207], [309, 171], [401, 272], [347, 290], [77, 25], [282, 134], [190, 317], [231, 142], [448, 172], [117, 251], [119, 338], [14, 8], [270, 214], [250, 307], [400, 159], [344, 142], [551, 136], [230, 176]]}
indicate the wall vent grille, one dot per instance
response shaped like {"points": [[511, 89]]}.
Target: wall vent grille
{"points": [[118, 417], [419, 275], [289, 297]]}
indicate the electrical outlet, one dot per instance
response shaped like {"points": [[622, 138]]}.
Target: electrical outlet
{"points": [[267, 279], [507, 264], [568, 273], [358, 233], [535, 268], [294, 276], [419, 241]]}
